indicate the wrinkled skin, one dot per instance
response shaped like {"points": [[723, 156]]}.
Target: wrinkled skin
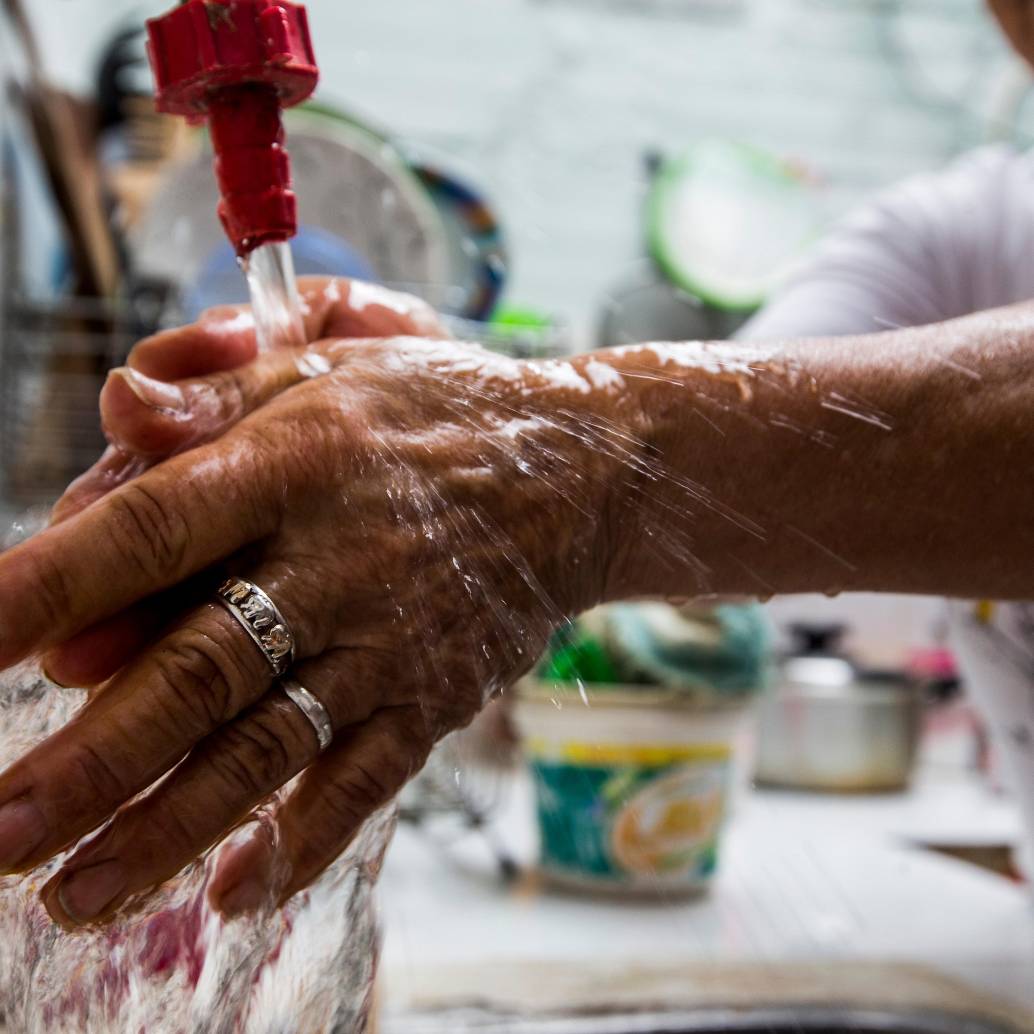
{"points": [[148, 417], [373, 502]]}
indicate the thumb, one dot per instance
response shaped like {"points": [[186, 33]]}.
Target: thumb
{"points": [[150, 418]]}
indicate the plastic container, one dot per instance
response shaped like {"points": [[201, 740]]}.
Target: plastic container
{"points": [[631, 791]]}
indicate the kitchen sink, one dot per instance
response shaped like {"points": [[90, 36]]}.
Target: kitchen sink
{"points": [[797, 1020]]}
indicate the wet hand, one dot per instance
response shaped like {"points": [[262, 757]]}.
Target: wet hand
{"points": [[422, 513], [161, 404]]}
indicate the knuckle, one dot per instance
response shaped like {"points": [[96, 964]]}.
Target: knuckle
{"points": [[174, 825], [159, 534], [99, 776], [241, 776], [232, 396], [366, 785], [415, 742], [355, 794], [54, 594], [203, 675], [260, 754]]}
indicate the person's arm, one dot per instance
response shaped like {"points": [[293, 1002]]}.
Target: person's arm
{"points": [[425, 513], [890, 463]]}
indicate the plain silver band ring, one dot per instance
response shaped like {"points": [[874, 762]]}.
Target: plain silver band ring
{"points": [[260, 618], [312, 709]]}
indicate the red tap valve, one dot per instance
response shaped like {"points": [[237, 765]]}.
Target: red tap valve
{"points": [[238, 64]]}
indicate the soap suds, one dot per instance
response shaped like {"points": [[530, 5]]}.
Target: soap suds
{"points": [[560, 374], [361, 295], [604, 377], [243, 321], [709, 356]]}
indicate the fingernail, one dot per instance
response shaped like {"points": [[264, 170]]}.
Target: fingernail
{"points": [[50, 678], [22, 830], [86, 893], [153, 394], [247, 896]]}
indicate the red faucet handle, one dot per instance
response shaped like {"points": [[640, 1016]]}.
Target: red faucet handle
{"points": [[203, 45], [238, 63]]}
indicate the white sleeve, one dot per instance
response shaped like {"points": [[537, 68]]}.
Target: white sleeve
{"points": [[936, 246]]}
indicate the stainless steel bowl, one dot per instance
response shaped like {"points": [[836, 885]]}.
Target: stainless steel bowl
{"points": [[824, 725]]}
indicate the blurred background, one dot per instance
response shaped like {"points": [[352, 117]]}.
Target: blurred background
{"points": [[558, 175]]}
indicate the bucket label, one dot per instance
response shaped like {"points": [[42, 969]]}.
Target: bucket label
{"points": [[637, 815]]}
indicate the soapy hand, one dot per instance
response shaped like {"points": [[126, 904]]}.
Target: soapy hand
{"points": [[422, 512], [161, 404]]}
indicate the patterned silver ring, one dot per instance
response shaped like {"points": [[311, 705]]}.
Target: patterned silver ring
{"points": [[312, 709], [260, 618]]}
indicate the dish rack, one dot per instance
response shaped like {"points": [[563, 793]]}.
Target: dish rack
{"points": [[457, 795], [53, 362]]}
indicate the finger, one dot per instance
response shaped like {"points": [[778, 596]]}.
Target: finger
{"points": [[216, 788], [364, 769], [341, 308], [150, 418], [146, 414], [112, 470], [223, 339], [175, 521], [131, 397], [99, 652], [196, 679], [93, 656], [165, 357]]}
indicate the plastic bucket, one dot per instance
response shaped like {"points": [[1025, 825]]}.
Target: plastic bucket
{"points": [[632, 791]]}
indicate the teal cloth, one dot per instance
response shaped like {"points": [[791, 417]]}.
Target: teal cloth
{"points": [[718, 654]]}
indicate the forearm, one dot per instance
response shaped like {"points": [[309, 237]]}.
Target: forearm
{"points": [[896, 462]]}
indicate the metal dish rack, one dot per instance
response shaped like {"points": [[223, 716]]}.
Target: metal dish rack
{"points": [[53, 362]]}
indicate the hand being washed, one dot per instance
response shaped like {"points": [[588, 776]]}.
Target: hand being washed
{"points": [[418, 520], [424, 513], [148, 418]]}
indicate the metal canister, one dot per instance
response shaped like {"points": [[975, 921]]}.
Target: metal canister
{"points": [[826, 724]]}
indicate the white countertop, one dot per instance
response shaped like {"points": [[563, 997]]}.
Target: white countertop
{"points": [[803, 879]]}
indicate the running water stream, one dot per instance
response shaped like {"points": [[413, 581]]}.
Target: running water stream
{"points": [[275, 302], [171, 965]]}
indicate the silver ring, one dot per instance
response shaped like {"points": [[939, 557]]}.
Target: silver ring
{"points": [[261, 619], [312, 709]]}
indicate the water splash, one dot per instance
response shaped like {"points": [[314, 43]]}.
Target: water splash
{"points": [[858, 409], [171, 965]]}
